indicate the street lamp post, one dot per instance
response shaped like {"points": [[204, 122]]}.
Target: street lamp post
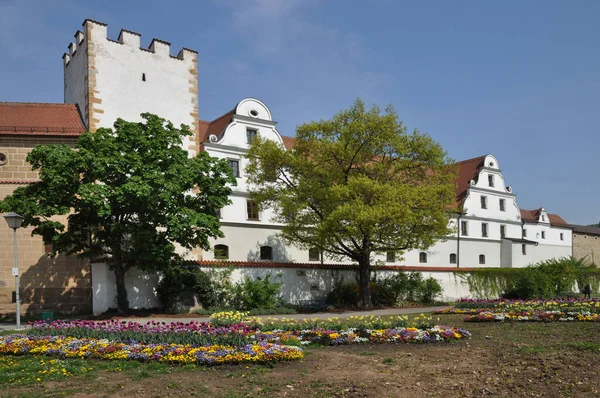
{"points": [[14, 221]]}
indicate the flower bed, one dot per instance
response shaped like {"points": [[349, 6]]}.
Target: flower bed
{"points": [[535, 316], [69, 347], [563, 305], [328, 332]]}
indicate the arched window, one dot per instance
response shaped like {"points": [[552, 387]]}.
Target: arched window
{"points": [[482, 259], [314, 254], [266, 253], [452, 258], [221, 252], [391, 257], [422, 257]]}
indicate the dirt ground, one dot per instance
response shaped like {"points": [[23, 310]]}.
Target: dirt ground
{"points": [[500, 360]]}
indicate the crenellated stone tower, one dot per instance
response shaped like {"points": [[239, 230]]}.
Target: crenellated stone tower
{"points": [[109, 79]]}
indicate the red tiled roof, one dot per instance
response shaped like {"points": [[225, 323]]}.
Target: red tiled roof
{"points": [[467, 171], [215, 127], [267, 264], [534, 215], [288, 142], [24, 118]]}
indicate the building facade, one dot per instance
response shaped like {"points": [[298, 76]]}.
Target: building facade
{"points": [[586, 243], [106, 79]]}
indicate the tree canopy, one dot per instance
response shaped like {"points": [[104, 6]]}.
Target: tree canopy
{"points": [[356, 185], [131, 193]]}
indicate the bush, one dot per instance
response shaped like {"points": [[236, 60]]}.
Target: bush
{"points": [[343, 294], [258, 293], [211, 289], [430, 290], [546, 279], [389, 292]]}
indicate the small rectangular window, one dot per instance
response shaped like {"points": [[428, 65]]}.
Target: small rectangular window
{"points": [[502, 205], [235, 167], [391, 256], [543, 234], [503, 231], [562, 236], [484, 230], [543, 218], [490, 180], [250, 135], [464, 231], [252, 209], [524, 249], [484, 202]]}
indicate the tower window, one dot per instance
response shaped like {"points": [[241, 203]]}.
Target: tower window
{"points": [[484, 230], [482, 259], [452, 258], [502, 205], [143, 77], [490, 180], [422, 257]]}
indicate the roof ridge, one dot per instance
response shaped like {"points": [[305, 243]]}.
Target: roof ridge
{"points": [[35, 103], [469, 160]]}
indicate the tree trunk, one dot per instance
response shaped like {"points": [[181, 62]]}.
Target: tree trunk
{"points": [[122, 301], [364, 275]]}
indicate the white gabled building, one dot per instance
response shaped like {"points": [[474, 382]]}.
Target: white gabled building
{"points": [[491, 230]]}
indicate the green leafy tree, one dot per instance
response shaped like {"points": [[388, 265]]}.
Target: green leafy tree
{"points": [[356, 185], [131, 193]]}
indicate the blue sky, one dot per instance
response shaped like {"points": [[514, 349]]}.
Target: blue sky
{"points": [[518, 79]]}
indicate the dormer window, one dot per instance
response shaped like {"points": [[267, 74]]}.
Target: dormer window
{"points": [[251, 135], [490, 180], [543, 217]]}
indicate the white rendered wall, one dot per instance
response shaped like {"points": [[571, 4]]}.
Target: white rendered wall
{"points": [[141, 289]]}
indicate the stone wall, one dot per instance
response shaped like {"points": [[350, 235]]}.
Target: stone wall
{"points": [[586, 246], [62, 283]]}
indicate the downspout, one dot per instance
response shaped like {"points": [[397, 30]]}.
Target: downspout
{"points": [[458, 242]]}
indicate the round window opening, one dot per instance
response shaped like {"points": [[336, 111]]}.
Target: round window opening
{"points": [[3, 159], [491, 164], [254, 113]]}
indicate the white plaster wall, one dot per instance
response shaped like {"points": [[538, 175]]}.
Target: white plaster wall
{"points": [[538, 253], [534, 233], [141, 289]]}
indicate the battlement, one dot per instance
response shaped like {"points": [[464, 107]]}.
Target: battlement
{"points": [[94, 32]]}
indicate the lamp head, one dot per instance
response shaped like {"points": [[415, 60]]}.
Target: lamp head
{"points": [[14, 220]]}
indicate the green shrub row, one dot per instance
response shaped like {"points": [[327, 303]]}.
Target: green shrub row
{"points": [[401, 288], [213, 290], [558, 277]]}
